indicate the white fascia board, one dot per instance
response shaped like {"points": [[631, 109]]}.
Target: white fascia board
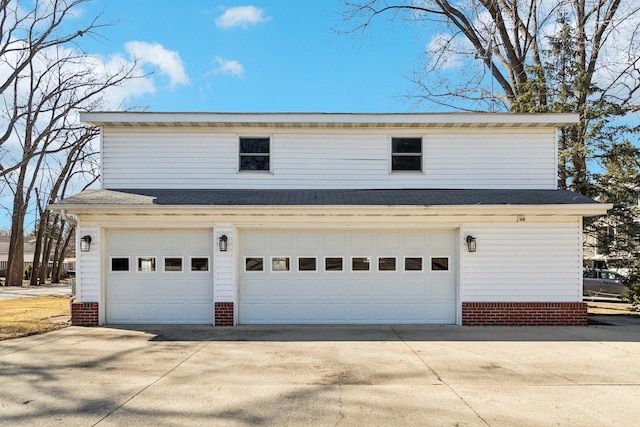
{"points": [[586, 210], [330, 119]]}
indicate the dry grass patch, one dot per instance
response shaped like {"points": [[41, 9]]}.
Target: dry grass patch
{"points": [[29, 316]]}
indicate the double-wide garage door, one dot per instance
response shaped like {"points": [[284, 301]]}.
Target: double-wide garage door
{"points": [[159, 276], [347, 277]]}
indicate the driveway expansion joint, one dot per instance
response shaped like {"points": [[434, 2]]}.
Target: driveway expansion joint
{"points": [[142, 390], [453, 390]]}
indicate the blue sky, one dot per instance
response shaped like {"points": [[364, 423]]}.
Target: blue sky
{"points": [[270, 55]]}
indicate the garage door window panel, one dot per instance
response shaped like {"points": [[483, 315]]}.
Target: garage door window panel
{"points": [[413, 264], [173, 264], [361, 264], [386, 264], [200, 264], [253, 264], [146, 264], [119, 264], [333, 264], [280, 264], [306, 264], [439, 264]]}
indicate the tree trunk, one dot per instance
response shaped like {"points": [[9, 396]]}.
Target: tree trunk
{"points": [[62, 243], [15, 264], [40, 240]]}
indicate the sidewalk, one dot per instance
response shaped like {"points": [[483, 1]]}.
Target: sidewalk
{"points": [[14, 292]]}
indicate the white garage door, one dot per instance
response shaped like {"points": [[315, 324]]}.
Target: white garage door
{"points": [[347, 277], [159, 276]]}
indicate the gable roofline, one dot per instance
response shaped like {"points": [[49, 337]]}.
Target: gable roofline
{"points": [[328, 120]]}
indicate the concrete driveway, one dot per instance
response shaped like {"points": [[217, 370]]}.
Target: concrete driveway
{"points": [[306, 376]]}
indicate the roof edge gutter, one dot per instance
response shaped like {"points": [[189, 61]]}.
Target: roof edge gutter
{"points": [[586, 210]]}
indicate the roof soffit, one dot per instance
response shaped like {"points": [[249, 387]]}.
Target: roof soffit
{"points": [[328, 120]]}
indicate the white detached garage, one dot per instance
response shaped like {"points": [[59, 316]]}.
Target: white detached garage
{"points": [[329, 219]]}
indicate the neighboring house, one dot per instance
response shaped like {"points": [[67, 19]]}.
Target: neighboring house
{"points": [[29, 248], [225, 219], [28, 253]]}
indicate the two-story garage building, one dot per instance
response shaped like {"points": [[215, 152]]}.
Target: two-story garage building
{"points": [[224, 219]]}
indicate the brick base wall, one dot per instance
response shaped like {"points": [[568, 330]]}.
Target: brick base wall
{"points": [[223, 313], [524, 313], [84, 314]]}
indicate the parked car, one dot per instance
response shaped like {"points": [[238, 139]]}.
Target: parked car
{"points": [[604, 283]]}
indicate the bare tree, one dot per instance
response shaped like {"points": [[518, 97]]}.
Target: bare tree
{"points": [[50, 80], [25, 34], [509, 44], [53, 232]]}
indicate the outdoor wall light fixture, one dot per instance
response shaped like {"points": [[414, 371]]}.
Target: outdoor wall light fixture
{"points": [[85, 244], [471, 243], [222, 243]]}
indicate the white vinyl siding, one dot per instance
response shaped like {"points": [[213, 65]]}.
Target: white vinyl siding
{"points": [[224, 265], [88, 264], [208, 158], [522, 262]]}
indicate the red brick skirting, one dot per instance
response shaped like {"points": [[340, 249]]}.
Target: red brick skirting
{"points": [[524, 313], [223, 313], [84, 314]]}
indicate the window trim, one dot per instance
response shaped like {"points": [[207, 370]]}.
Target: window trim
{"points": [[241, 154], [288, 261], [352, 270], [191, 270], [244, 268], [315, 270], [395, 270], [155, 266], [342, 270], [404, 264], [392, 154], [128, 270], [431, 270], [164, 264]]}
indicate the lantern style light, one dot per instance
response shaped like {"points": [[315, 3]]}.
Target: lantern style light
{"points": [[471, 243], [222, 243], [85, 243]]}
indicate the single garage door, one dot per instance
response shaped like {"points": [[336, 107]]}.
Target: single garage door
{"points": [[347, 277], [159, 276]]}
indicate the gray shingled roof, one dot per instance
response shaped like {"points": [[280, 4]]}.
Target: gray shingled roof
{"points": [[387, 197]]}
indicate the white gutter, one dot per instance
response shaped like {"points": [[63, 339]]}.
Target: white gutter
{"points": [[591, 209]]}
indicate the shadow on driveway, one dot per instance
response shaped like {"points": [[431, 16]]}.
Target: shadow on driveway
{"points": [[602, 328]]}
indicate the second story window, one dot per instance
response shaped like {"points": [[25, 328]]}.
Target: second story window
{"points": [[254, 154], [406, 154]]}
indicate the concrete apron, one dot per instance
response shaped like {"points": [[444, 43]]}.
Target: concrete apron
{"points": [[362, 375]]}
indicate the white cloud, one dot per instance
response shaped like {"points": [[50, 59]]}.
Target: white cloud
{"points": [[228, 67], [448, 52], [241, 16], [168, 62]]}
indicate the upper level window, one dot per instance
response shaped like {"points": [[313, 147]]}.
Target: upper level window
{"points": [[406, 154], [254, 154]]}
